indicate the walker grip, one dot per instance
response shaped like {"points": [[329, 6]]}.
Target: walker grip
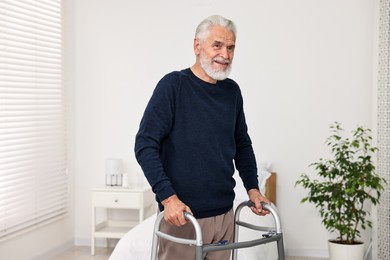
{"points": [[250, 203]]}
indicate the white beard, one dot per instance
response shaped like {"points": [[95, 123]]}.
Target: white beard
{"points": [[214, 74]]}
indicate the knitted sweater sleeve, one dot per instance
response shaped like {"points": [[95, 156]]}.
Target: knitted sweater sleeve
{"points": [[245, 160], [154, 127]]}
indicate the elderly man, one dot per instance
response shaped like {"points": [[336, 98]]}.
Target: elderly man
{"points": [[192, 137]]}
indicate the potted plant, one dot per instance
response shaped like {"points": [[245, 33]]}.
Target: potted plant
{"points": [[346, 183]]}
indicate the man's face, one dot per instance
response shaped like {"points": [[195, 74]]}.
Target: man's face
{"points": [[216, 52]]}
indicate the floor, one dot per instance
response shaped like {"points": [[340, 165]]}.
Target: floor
{"points": [[84, 253]]}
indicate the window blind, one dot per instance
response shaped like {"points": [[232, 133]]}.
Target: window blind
{"points": [[33, 177]]}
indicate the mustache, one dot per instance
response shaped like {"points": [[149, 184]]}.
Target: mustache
{"points": [[221, 60]]}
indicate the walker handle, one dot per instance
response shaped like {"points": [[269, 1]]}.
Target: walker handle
{"points": [[265, 206], [187, 215], [250, 203]]}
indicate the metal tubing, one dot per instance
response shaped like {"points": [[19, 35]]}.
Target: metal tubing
{"points": [[280, 246], [196, 242], [238, 245], [277, 229]]}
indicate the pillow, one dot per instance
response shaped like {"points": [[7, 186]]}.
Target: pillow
{"points": [[263, 175]]}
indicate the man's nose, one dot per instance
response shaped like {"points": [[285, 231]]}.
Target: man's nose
{"points": [[224, 53]]}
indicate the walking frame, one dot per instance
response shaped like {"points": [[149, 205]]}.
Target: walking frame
{"points": [[274, 235]]}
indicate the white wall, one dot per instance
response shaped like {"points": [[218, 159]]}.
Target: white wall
{"points": [[301, 65], [40, 243]]}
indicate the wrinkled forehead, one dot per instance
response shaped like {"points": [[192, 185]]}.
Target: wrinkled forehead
{"points": [[221, 34]]}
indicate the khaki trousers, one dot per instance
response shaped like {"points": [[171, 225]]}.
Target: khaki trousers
{"points": [[214, 229]]}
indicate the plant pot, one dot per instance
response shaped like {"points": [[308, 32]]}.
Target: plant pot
{"points": [[339, 251]]}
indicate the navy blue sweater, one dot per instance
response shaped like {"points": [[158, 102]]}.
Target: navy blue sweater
{"points": [[191, 136]]}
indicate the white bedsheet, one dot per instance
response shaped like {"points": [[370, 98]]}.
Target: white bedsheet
{"points": [[137, 243]]}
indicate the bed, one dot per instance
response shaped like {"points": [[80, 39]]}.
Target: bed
{"points": [[136, 244]]}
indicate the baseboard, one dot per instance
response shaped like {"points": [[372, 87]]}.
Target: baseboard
{"points": [[307, 253], [55, 251], [99, 242], [82, 242]]}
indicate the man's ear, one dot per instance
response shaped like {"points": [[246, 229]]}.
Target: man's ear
{"points": [[196, 46]]}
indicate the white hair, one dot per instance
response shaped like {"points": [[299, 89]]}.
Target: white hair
{"points": [[214, 20]]}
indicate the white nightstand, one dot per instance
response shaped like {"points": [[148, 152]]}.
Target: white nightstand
{"points": [[140, 199]]}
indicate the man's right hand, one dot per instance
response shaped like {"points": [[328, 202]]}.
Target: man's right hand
{"points": [[174, 211]]}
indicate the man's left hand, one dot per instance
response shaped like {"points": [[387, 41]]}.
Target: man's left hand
{"points": [[256, 197]]}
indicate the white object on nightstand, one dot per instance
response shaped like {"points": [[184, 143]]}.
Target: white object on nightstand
{"points": [[118, 198]]}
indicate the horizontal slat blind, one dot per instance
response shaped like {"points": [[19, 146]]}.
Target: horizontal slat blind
{"points": [[33, 177]]}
